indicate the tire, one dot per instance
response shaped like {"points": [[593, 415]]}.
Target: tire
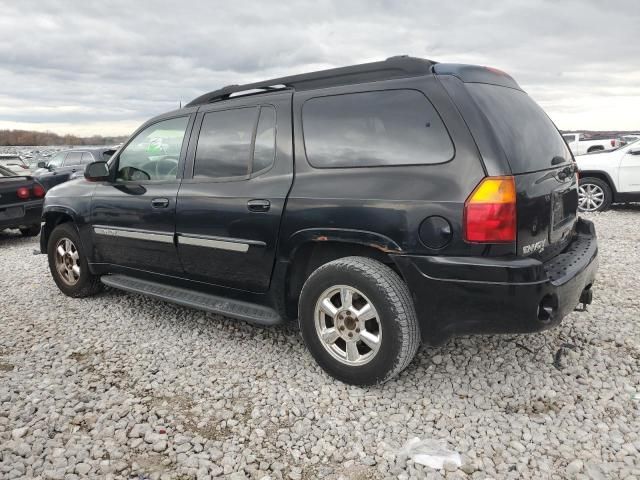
{"points": [[32, 231], [595, 149], [73, 283], [395, 324], [600, 195]]}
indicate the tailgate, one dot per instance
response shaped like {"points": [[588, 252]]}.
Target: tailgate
{"points": [[547, 204]]}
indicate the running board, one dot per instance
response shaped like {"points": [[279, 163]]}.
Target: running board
{"points": [[240, 310]]}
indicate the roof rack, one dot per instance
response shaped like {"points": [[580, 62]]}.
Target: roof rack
{"points": [[393, 67]]}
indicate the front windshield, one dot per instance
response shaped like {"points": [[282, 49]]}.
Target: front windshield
{"points": [[56, 160], [620, 146]]}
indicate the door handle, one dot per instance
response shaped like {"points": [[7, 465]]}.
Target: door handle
{"points": [[258, 205], [160, 202]]}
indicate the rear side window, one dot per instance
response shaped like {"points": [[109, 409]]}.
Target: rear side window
{"points": [[370, 129], [264, 150], [87, 157], [224, 144], [528, 137]]}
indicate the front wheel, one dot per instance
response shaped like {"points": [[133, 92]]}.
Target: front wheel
{"points": [[358, 320], [68, 263], [594, 195]]}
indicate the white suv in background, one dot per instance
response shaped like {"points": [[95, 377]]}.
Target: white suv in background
{"points": [[609, 177]]}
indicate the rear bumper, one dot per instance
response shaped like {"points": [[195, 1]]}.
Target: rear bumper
{"points": [[465, 295], [20, 215]]}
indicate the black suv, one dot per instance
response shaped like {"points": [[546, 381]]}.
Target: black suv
{"points": [[381, 204], [69, 164]]}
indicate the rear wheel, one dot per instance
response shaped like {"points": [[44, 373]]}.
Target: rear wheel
{"points": [[358, 320], [68, 263], [594, 195], [31, 231]]}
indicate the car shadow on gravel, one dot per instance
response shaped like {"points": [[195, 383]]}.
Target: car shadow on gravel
{"points": [[487, 354], [629, 207], [14, 237]]}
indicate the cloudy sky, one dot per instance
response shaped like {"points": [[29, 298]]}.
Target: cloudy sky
{"points": [[104, 67]]}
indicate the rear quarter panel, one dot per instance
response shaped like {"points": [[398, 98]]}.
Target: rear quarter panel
{"points": [[384, 206]]}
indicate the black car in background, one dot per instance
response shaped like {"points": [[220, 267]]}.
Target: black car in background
{"points": [[68, 164], [382, 205], [21, 199]]}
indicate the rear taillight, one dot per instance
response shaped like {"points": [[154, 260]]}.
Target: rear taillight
{"points": [[38, 190], [613, 143], [490, 212], [23, 193]]}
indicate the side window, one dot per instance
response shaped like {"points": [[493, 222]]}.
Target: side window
{"points": [[381, 128], [154, 153], [73, 158], [264, 150], [87, 158], [57, 159], [224, 144]]}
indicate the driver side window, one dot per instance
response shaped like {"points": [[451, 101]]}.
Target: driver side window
{"points": [[154, 153]]}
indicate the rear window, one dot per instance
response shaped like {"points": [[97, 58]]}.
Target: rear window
{"points": [[528, 137], [371, 129]]}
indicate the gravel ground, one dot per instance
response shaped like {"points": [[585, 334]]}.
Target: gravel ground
{"points": [[121, 386]]}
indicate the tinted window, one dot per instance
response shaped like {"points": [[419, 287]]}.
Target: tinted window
{"points": [[528, 137], [73, 158], [154, 153], [265, 146], [87, 157], [396, 127], [224, 144]]}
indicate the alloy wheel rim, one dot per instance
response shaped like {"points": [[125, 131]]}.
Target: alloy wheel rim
{"points": [[590, 197], [348, 325], [67, 261]]}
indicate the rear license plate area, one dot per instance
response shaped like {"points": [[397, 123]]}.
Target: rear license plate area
{"points": [[11, 212], [564, 206]]}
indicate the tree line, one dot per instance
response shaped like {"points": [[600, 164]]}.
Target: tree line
{"points": [[14, 138]]}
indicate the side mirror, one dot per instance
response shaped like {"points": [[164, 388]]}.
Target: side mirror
{"points": [[97, 172], [42, 164]]}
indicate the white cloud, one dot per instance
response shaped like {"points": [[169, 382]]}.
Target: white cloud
{"points": [[73, 66]]}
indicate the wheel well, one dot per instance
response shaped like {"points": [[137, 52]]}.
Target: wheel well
{"points": [[312, 255], [52, 220], [600, 176], [595, 148]]}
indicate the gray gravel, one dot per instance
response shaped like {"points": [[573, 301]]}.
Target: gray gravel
{"points": [[121, 386]]}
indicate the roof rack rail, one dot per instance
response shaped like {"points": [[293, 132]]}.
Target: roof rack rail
{"points": [[393, 67]]}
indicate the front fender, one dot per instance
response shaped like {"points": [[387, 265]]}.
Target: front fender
{"points": [[52, 215]]}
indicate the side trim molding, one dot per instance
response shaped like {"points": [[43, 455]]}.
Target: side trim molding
{"points": [[134, 234], [233, 246]]}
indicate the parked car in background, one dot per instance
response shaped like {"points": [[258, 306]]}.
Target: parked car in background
{"points": [[581, 143], [609, 177], [381, 204], [21, 199], [14, 163], [68, 164]]}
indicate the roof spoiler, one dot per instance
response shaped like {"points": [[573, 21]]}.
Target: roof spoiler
{"points": [[476, 74]]}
